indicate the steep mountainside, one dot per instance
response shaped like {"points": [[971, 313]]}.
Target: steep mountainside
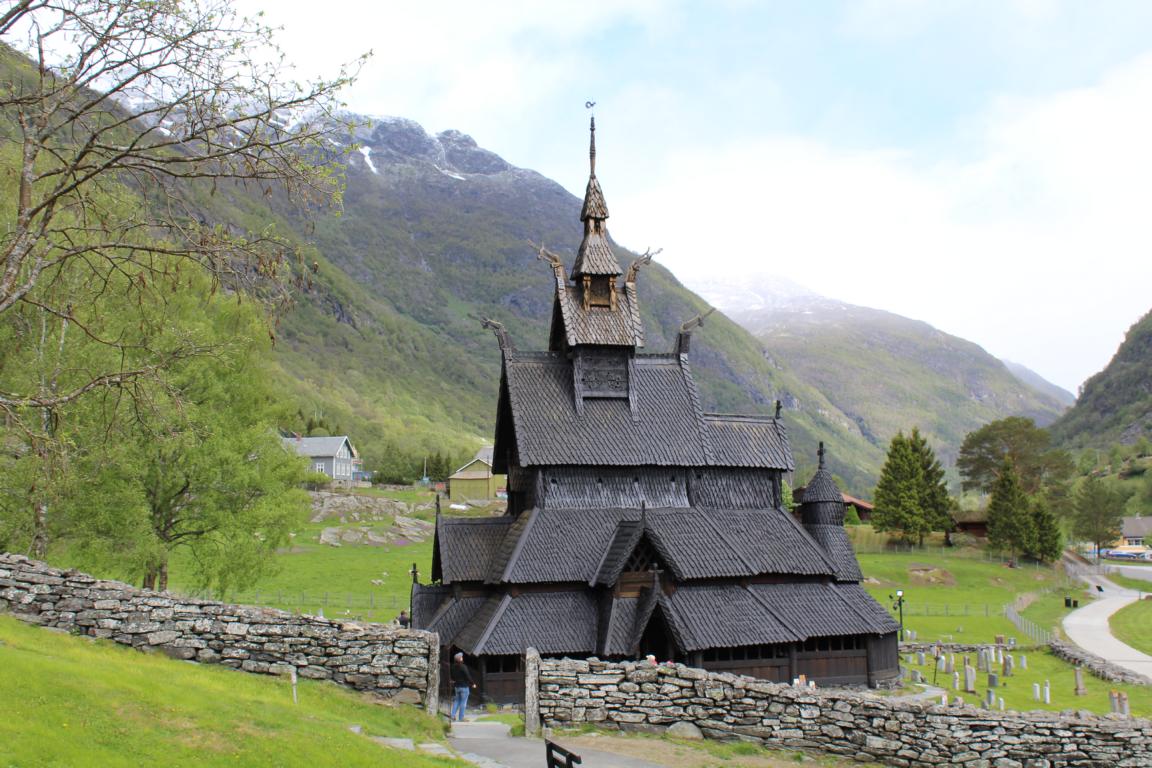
{"points": [[1034, 380], [883, 371], [1115, 405], [436, 232]]}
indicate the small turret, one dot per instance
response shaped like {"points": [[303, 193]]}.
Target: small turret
{"points": [[822, 515]]}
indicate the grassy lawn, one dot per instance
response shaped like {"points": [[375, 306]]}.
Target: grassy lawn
{"points": [[1129, 582], [338, 580], [1133, 625], [1048, 610], [954, 595], [1017, 690], [69, 701]]}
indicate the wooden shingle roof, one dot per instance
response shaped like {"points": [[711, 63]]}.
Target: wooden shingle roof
{"points": [[464, 546], [550, 622], [668, 428]]}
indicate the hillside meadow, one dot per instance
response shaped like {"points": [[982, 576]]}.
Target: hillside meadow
{"points": [[71, 701]]}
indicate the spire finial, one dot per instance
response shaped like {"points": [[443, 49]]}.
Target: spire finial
{"points": [[820, 453], [592, 140]]}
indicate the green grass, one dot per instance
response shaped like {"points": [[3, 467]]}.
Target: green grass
{"points": [[1048, 610], [1017, 690], [338, 580], [69, 701], [1133, 625], [1128, 582], [957, 595]]}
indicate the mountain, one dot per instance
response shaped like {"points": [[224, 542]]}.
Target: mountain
{"points": [[1037, 382], [1115, 405], [881, 371], [437, 232]]}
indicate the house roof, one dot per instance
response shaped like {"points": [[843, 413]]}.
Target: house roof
{"points": [[667, 428], [699, 616], [465, 545], [590, 545], [319, 447], [472, 474], [550, 622], [1136, 527], [729, 615]]}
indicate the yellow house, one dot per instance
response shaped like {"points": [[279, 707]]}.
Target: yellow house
{"points": [[475, 480]]}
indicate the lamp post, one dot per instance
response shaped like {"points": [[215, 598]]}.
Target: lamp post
{"points": [[900, 607]]}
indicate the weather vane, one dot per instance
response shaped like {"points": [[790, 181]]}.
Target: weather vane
{"points": [[589, 104]]}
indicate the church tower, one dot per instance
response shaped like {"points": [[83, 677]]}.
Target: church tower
{"points": [[596, 314]]}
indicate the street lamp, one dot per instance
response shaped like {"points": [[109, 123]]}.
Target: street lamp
{"points": [[900, 606]]}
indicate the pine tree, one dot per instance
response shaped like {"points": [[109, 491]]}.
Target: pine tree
{"points": [[1010, 524], [900, 491], [934, 500], [1049, 541]]}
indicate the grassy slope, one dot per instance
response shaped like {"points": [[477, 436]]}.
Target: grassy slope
{"points": [[972, 588], [76, 702], [1133, 625]]}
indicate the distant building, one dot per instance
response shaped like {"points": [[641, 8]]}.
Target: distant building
{"points": [[334, 456], [475, 480], [973, 522], [1135, 532]]}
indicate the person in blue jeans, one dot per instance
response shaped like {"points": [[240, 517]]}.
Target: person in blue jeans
{"points": [[462, 683]]}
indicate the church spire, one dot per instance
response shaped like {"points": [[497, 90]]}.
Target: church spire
{"points": [[595, 257]]}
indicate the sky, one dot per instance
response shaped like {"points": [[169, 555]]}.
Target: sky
{"points": [[983, 166]]}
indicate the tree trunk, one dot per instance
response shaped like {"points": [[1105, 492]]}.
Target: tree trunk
{"points": [[162, 581], [39, 530]]}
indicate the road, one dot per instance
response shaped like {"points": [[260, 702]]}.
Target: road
{"points": [[1088, 627]]}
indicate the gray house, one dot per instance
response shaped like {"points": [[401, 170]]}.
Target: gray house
{"points": [[334, 456]]}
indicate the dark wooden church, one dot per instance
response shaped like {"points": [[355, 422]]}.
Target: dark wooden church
{"points": [[637, 523]]}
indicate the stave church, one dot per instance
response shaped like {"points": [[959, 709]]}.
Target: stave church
{"points": [[639, 524]]}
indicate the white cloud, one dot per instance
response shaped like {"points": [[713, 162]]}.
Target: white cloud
{"points": [[1035, 242]]}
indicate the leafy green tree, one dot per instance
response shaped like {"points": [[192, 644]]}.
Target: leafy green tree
{"points": [[899, 492], [1099, 512], [1049, 540], [1025, 445], [144, 104], [1010, 523]]}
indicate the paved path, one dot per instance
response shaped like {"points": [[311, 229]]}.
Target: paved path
{"points": [[1088, 627], [488, 744]]}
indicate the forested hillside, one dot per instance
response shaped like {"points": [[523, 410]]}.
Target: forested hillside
{"points": [[1115, 405]]}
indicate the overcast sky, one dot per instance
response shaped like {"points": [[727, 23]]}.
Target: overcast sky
{"points": [[983, 166]]}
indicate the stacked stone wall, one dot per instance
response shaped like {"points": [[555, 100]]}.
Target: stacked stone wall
{"points": [[394, 663], [640, 695]]}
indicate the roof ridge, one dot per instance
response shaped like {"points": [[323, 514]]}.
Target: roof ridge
{"points": [[697, 411], [499, 614], [520, 543]]}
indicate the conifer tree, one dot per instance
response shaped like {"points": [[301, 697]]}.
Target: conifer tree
{"points": [[1010, 523], [1049, 541], [899, 492], [934, 500]]}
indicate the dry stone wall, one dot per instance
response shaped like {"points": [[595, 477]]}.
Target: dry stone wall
{"points": [[640, 695], [394, 663]]}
